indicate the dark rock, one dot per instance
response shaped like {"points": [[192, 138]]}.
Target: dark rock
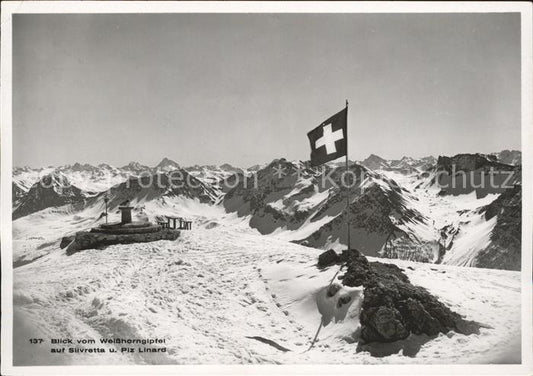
{"points": [[328, 258], [418, 319], [362, 270], [66, 240], [409, 346], [383, 324], [358, 275], [389, 271], [98, 240], [353, 254], [393, 308]]}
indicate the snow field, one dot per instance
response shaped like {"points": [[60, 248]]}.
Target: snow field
{"points": [[211, 289]]}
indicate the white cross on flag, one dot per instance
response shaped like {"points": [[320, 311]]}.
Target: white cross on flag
{"points": [[328, 140]]}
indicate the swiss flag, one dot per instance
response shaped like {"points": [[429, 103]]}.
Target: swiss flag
{"points": [[328, 140]]}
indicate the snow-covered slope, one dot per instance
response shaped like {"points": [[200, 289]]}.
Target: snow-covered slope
{"points": [[40, 233], [139, 190], [26, 176], [23, 179], [52, 190], [472, 231], [166, 165], [220, 177], [309, 206], [215, 295]]}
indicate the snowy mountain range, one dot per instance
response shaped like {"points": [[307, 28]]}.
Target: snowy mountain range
{"points": [[398, 208], [404, 165], [94, 179]]}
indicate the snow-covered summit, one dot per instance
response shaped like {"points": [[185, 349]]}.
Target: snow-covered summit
{"points": [[405, 165], [166, 165], [135, 168]]}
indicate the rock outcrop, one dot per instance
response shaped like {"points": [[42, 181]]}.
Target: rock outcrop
{"points": [[465, 173], [328, 258], [376, 216], [53, 190], [505, 248], [393, 308]]}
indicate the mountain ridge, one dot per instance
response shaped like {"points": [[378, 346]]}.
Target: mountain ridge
{"points": [[395, 207]]}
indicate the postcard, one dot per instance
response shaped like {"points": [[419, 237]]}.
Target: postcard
{"points": [[266, 188]]}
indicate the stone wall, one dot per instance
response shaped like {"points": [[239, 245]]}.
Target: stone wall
{"points": [[88, 240], [127, 230]]}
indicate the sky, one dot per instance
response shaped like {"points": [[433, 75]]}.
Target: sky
{"points": [[246, 88]]}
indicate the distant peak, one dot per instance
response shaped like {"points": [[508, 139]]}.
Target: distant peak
{"points": [[81, 166], [135, 166], [23, 168], [104, 165], [166, 162], [374, 157]]}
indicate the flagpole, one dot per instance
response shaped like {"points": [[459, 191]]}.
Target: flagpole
{"points": [[348, 216]]}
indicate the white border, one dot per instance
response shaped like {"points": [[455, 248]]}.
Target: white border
{"points": [[9, 8]]}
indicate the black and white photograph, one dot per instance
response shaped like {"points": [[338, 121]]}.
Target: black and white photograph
{"points": [[280, 184]]}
